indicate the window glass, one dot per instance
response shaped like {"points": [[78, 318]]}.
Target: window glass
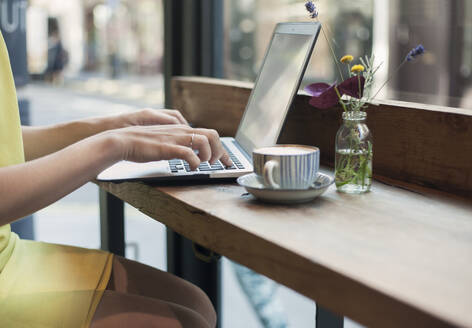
{"points": [[89, 58], [388, 28]]}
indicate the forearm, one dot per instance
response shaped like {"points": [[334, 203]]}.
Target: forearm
{"points": [[28, 187], [42, 141]]}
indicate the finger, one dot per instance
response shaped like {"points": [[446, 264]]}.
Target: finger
{"points": [[181, 152], [181, 117], [217, 149], [149, 149], [164, 118], [193, 141], [150, 116], [173, 128], [178, 115], [226, 160], [200, 142]]}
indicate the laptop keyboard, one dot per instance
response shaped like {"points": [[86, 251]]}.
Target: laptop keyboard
{"points": [[178, 165]]}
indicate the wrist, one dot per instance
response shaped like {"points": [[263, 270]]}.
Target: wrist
{"points": [[107, 150], [107, 123], [84, 128], [97, 125], [110, 147]]}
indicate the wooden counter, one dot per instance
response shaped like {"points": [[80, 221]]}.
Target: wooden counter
{"points": [[390, 257], [399, 256]]}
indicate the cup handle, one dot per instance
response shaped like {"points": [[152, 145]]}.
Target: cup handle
{"points": [[268, 174]]}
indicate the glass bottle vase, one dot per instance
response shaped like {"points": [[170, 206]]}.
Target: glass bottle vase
{"points": [[354, 151]]}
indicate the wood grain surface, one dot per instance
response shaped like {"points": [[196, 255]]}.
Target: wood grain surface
{"points": [[422, 145], [389, 258]]}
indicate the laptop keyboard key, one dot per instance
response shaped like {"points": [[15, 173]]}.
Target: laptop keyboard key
{"points": [[217, 167], [177, 165]]}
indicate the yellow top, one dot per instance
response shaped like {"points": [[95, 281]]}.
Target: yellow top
{"points": [[41, 285], [11, 149]]}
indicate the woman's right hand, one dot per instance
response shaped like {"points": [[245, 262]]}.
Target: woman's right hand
{"points": [[162, 142], [28, 187]]}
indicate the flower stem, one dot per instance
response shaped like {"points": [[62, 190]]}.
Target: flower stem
{"points": [[340, 100], [332, 53], [389, 78], [360, 91]]}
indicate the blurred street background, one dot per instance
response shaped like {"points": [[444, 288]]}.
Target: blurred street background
{"points": [[87, 40]]}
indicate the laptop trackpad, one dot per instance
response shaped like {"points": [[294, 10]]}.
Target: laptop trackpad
{"points": [[125, 170]]}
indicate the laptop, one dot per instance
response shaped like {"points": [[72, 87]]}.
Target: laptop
{"points": [[277, 84]]}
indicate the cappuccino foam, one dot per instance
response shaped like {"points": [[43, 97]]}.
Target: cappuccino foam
{"points": [[285, 150]]}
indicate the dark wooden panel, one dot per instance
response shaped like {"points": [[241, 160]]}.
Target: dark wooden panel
{"points": [[211, 103]]}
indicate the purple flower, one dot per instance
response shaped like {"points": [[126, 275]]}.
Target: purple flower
{"points": [[417, 51], [352, 87], [311, 8], [324, 96]]}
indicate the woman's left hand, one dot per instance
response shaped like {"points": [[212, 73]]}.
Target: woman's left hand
{"points": [[150, 117], [41, 141]]}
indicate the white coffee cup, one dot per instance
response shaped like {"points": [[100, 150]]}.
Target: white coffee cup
{"points": [[287, 166]]}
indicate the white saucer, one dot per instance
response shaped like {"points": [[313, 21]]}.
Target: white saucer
{"points": [[254, 185]]}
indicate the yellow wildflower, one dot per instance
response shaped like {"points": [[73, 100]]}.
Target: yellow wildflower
{"points": [[357, 69], [347, 59]]}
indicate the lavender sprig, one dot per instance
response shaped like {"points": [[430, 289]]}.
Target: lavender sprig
{"points": [[416, 51], [311, 8], [314, 13]]}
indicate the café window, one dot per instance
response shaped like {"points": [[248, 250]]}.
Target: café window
{"points": [[389, 29]]}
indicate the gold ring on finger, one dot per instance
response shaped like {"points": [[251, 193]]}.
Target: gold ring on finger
{"points": [[191, 140]]}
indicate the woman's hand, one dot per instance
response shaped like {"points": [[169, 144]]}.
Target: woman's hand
{"points": [[162, 142], [149, 117], [64, 157], [41, 141]]}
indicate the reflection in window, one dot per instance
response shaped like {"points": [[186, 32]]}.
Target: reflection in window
{"points": [[391, 27]]}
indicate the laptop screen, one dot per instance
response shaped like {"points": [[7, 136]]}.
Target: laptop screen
{"points": [[275, 87]]}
